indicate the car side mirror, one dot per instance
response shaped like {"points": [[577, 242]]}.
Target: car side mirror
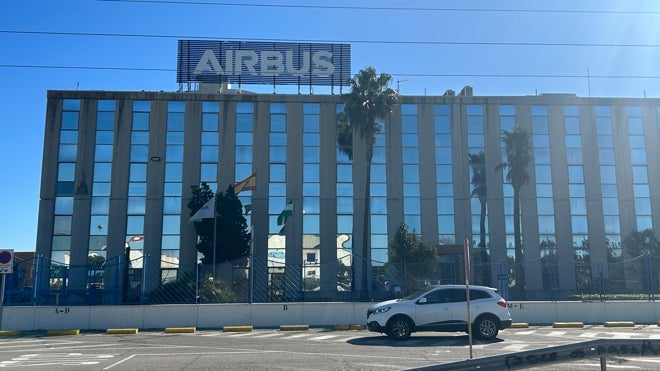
{"points": [[421, 301]]}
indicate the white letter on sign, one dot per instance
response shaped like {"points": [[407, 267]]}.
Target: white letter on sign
{"points": [[302, 71], [208, 63], [323, 62], [251, 60], [271, 63]]}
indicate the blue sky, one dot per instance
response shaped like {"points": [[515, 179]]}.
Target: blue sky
{"points": [[499, 48]]}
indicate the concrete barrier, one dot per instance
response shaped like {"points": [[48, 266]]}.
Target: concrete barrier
{"points": [[121, 331], [294, 327], [237, 328], [273, 315], [180, 330], [568, 325], [619, 324], [62, 332]]}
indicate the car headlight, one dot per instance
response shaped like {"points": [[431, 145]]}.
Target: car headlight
{"points": [[382, 310]]}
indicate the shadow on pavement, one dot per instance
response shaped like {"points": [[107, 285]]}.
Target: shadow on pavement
{"points": [[419, 341]]}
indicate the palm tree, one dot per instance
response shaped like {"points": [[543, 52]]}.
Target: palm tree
{"points": [[477, 163], [518, 157], [370, 99]]}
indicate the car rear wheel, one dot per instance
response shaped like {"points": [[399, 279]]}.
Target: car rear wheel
{"points": [[486, 328], [399, 328]]}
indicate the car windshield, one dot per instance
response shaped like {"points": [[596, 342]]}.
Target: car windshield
{"points": [[417, 293]]}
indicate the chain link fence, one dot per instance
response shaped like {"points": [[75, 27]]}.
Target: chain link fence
{"points": [[150, 280]]}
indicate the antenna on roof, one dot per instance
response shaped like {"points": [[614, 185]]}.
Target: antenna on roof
{"points": [[399, 82]]}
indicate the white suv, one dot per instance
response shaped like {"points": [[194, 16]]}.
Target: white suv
{"points": [[441, 308]]}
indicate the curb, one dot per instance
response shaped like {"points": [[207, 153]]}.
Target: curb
{"points": [[294, 327], [62, 332], [568, 325], [519, 325], [9, 333], [348, 327], [180, 330], [121, 331], [619, 324], [237, 328]]}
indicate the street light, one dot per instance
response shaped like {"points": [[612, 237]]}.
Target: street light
{"points": [[127, 262]]}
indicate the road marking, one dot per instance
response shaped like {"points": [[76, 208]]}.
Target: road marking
{"points": [[56, 359], [514, 347], [295, 336], [527, 332], [609, 366], [324, 337], [556, 333], [267, 335]]}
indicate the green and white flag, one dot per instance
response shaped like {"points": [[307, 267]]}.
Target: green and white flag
{"points": [[286, 213]]}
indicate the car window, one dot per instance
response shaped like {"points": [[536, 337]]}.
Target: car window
{"points": [[438, 296], [457, 295], [479, 294]]}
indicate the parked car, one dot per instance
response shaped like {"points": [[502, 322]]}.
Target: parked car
{"points": [[441, 308]]}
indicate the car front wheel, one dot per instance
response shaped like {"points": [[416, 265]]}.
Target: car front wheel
{"points": [[399, 328], [486, 328]]}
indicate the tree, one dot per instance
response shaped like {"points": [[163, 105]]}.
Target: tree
{"points": [[643, 243], [518, 157], [477, 163], [417, 258], [200, 196], [637, 243], [370, 99], [232, 237]]}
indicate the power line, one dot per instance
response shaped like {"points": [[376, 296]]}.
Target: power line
{"points": [[356, 7], [476, 75], [37, 66], [391, 42]]}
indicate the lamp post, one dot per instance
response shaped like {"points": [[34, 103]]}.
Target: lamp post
{"points": [[127, 263]]}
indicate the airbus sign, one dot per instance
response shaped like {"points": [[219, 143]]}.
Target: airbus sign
{"points": [[263, 63]]}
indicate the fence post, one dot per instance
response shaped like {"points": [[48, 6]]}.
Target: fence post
{"points": [[36, 279], [503, 278], [601, 280], [197, 297], [117, 274], [145, 275], [649, 276]]}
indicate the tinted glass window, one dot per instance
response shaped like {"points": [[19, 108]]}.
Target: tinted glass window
{"points": [[478, 294]]}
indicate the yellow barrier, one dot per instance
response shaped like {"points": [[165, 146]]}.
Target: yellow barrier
{"points": [[294, 327], [180, 330], [568, 325], [237, 328], [121, 331], [62, 332]]}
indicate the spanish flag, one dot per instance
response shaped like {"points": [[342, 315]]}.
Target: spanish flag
{"points": [[247, 184]]}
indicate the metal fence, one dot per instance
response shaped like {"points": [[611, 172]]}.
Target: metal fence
{"points": [[149, 280]]}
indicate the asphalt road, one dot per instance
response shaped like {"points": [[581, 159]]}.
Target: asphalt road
{"points": [[315, 349]]}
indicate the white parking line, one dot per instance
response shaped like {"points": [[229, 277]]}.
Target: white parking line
{"points": [[514, 347], [295, 336], [267, 335], [324, 337]]}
